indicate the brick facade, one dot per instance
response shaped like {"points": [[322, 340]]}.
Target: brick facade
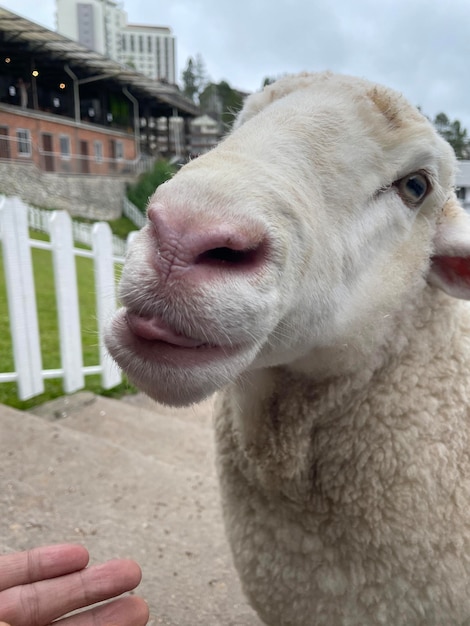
{"points": [[60, 145]]}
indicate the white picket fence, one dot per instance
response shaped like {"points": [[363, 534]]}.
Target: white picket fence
{"points": [[39, 219], [133, 213], [16, 244]]}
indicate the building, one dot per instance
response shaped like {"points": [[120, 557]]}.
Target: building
{"points": [[463, 183], [101, 25], [75, 126], [205, 134], [96, 24], [150, 50]]}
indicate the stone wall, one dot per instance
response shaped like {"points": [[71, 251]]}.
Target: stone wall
{"points": [[94, 197]]}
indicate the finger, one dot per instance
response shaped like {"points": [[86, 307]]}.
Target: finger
{"points": [[129, 611], [42, 602], [20, 568]]}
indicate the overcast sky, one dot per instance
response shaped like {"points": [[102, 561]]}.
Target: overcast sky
{"points": [[420, 47]]}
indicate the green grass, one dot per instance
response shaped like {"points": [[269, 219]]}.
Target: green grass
{"points": [[48, 326], [120, 227]]}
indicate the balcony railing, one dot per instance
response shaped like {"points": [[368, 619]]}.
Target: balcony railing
{"points": [[23, 150]]}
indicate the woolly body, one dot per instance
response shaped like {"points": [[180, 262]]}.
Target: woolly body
{"points": [[348, 502], [310, 264]]}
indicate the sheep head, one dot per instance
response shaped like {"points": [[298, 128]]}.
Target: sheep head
{"points": [[324, 212]]}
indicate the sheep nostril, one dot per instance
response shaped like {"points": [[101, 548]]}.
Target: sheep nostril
{"points": [[228, 258], [226, 255]]}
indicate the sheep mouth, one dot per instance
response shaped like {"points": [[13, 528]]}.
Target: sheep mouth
{"points": [[150, 340], [154, 329]]}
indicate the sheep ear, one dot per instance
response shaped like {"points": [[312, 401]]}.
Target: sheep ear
{"points": [[450, 263]]}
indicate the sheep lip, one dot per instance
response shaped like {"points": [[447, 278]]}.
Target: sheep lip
{"points": [[155, 330], [134, 353]]}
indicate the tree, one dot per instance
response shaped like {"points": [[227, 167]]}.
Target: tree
{"points": [[200, 73], [194, 78], [268, 80], [454, 133], [140, 191], [221, 102], [189, 81]]}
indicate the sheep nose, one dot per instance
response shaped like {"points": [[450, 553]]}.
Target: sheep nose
{"points": [[202, 244]]}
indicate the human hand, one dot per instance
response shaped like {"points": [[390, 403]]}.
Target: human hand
{"points": [[43, 584]]}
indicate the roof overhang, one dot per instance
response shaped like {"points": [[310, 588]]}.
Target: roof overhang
{"points": [[18, 33]]}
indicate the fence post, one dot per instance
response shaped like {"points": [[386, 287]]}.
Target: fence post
{"points": [[67, 300], [21, 298], [105, 282]]}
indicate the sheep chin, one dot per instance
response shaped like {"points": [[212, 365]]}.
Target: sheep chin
{"points": [[172, 374]]}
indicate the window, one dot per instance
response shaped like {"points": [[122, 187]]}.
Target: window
{"points": [[4, 143], [149, 44], [24, 142], [461, 193], [98, 148], [64, 141], [124, 43], [157, 55], [167, 65], [141, 43], [132, 40], [119, 150]]}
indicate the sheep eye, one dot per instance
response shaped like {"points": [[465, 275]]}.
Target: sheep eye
{"points": [[413, 188]]}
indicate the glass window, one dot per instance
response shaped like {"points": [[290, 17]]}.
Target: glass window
{"points": [[98, 147], [24, 141], [64, 141], [119, 150]]}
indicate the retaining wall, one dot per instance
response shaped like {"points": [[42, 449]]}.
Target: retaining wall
{"points": [[95, 197]]}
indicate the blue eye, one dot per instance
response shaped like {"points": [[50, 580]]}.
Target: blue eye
{"points": [[417, 186], [413, 188]]}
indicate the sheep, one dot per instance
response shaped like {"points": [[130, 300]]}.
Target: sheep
{"points": [[312, 267]]}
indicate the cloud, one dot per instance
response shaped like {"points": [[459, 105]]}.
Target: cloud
{"points": [[417, 47], [41, 12]]}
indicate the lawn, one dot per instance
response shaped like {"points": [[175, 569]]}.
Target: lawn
{"points": [[47, 314]]}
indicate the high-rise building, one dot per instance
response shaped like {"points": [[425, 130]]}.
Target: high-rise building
{"points": [[96, 24], [150, 50], [101, 25]]}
